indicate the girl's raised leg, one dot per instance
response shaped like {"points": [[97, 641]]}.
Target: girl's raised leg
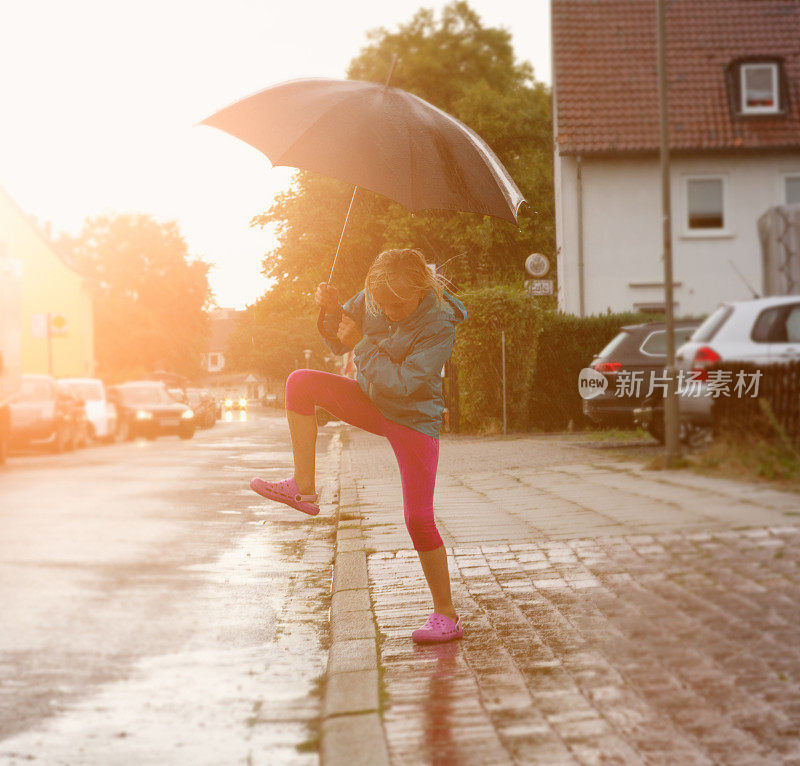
{"points": [[342, 397], [303, 429]]}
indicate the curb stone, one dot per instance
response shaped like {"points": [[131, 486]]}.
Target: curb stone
{"points": [[352, 731]]}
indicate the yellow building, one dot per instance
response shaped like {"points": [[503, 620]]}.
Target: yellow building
{"points": [[57, 320]]}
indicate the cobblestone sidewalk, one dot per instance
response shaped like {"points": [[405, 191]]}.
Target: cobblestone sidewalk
{"points": [[613, 615]]}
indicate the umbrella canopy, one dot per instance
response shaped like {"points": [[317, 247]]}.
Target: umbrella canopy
{"points": [[378, 138]]}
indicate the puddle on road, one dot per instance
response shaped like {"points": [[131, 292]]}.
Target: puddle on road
{"points": [[240, 690]]}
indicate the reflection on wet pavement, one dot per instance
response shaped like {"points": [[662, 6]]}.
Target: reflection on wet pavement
{"points": [[157, 611], [673, 649]]}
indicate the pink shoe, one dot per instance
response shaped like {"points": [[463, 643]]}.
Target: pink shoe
{"points": [[438, 629], [286, 491]]}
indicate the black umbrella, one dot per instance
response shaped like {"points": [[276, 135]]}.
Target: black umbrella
{"points": [[375, 137]]}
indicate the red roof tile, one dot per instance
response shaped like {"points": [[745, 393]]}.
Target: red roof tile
{"points": [[606, 83]]}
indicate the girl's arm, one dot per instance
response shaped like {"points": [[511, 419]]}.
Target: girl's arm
{"points": [[403, 378]]}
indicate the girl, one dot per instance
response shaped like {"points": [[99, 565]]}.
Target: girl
{"points": [[401, 328]]}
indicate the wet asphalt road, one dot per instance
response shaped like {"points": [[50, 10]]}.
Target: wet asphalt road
{"points": [[146, 599]]}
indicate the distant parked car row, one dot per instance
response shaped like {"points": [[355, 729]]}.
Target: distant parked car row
{"points": [[761, 331], [68, 413]]}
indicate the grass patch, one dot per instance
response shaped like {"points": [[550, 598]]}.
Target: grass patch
{"points": [[659, 463], [753, 458], [617, 435]]}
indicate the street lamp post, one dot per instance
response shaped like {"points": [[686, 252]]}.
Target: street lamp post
{"points": [[671, 441]]}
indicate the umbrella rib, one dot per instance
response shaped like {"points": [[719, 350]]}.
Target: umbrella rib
{"points": [[312, 125], [488, 157]]}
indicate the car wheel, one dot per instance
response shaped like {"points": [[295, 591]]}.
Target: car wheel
{"points": [[123, 431], [699, 436], [656, 427], [59, 440], [186, 433]]}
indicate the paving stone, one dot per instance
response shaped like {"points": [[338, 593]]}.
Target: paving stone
{"points": [[612, 615], [353, 625], [354, 740], [354, 600], [350, 571], [351, 692]]}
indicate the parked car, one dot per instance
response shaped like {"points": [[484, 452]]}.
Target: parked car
{"points": [[760, 331], [639, 349], [146, 408], [10, 343], [81, 429], [202, 402], [178, 394], [233, 401], [100, 412], [44, 415]]}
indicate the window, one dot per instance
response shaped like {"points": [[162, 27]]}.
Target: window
{"points": [[780, 324], [656, 343], [712, 324], [766, 326], [614, 343], [791, 190], [759, 88], [705, 205], [793, 325]]}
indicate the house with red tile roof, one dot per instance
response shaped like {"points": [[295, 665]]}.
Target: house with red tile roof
{"points": [[733, 73]]}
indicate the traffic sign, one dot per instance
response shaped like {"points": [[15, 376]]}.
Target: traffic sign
{"points": [[539, 286], [537, 265]]}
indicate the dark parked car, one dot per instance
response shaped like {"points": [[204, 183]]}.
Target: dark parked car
{"points": [[640, 350], [204, 406], [145, 408], [44, 415]]}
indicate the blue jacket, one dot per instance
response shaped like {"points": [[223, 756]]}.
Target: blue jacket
{"points": [[399, 364]]}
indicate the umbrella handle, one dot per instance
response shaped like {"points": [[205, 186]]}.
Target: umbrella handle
{"points": [[321, 324], [321, 327]]}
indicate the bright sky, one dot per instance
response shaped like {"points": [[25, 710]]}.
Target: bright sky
{"points": [[99, 100]]}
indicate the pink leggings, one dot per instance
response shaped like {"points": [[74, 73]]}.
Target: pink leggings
{"points": [[417, 454]]}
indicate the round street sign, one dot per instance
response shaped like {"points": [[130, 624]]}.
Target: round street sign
{"points": [[58, 324], [537, 265]]}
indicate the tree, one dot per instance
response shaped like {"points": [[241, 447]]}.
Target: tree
{"points": [[469, 71], [273, 335], [150, 299]]}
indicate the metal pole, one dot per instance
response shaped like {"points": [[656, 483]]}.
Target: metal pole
{"points": [[355, 188], [671, 441], [341, 236], [581, 287], [503, 352]]}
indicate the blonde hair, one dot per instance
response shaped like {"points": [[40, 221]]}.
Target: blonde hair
{"points": [[402, 268]]}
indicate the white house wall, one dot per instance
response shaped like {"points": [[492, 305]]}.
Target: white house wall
{"points": [[622, 236]]}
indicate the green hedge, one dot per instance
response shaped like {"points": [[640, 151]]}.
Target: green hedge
{"points": [[477, 355], [545, 352], [565, 345]]}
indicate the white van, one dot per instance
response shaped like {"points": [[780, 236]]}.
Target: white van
{"points": [[100, 412]]}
